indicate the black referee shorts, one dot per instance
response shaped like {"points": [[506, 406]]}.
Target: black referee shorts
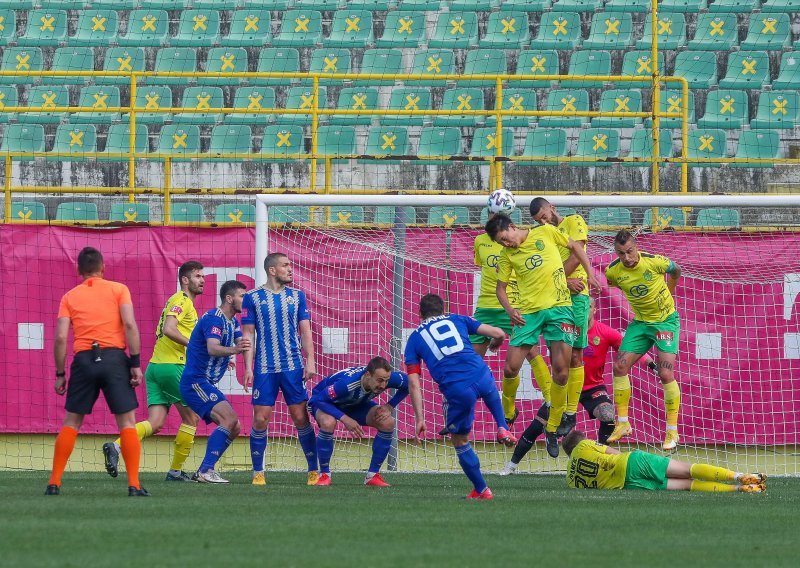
{"points": [[111, 375]]}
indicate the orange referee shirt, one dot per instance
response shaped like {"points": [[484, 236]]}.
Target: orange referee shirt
{"points": [[93, 309]]}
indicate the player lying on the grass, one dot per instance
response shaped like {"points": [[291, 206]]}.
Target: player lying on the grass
{"points": [[163, 376], [216, 338], [348, 396], [442, 341], [595, 466]]}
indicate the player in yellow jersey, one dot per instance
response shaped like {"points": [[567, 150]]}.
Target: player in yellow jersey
{"points": [[595, 466], [573, 226], [545, 307], [640, 276], [163, 375]]}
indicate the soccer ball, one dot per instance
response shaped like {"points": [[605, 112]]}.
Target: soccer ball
{"points": [[501, 201]]}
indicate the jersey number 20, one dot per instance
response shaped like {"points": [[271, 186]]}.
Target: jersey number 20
{"points": [[438, 333]]}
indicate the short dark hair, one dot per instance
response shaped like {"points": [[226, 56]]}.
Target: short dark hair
{"points": [[537, 204], [187, 268], [623, 237], [89, 260], [229, 288], [272, 260], [497, 224], [431, 305], [571, 440], [378, 363]]}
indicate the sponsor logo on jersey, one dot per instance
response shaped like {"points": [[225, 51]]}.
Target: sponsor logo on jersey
{"points": [[244, 312], [568, 328], [664, 336], [176, 310], [598, 393], [331, 392], [534, 261], [216, 331], [492, 260], [638, 291]]}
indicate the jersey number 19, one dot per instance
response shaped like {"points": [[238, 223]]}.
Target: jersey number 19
{"points": [[438, 334]]}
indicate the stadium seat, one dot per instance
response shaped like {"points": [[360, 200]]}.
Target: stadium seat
{"points": [[507, 30], [609, 217], [715, 32], [788, 74], [21, 59], [356, 98], [589, 62], [200, 98], [150, 100], [746, 70], [568, 101], [619, 100], [525, 5], [225, 60], [515, 98], [544, 143], [46, 97], [666, 217], [45, 28], [457, 99], [238, 213], [165, 4], [22, 211], [302, 98], [249, 28], [96, 28], [418, 5], [116, 4], [336, 141], [718, 218], [350, 28], [448, 216], [8, 98], [433, 62], [770, 32], [781, 6], [777, 109], [277, 60], [374, 5], [387, 141], [558, 31], [628, 6], [23, 138], [757, 144], [344, 215], [130, 212], [230, 139], [408, 98], [640, 63], [252, 98], [302, 28], [77, 211], [187, 213], [176, 140], [118, 141], [707, 144], [197, 28], [642, 146], [75, 139], [484, 62], [537, 62], [382, 61], [474, 5], [455, 30], [289, 214], [282, 143], [725, 109], [18, 4], [403, 29], [439, 142], [329, 60], [387, 215], [516, 216], [699, 68], [485, 144], [672, 101], [671, 30], [8, 27], [610, 31], [121, 59], [146, 28], [215, 4], [682, 6], [174, 60], [577, 5], [71, 59], [733, 6], [97, 98], [598, 143], [321, 5]]}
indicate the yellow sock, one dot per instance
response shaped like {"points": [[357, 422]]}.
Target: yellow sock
{"points": [[542, 375], [143, 429], [712, 486], [509, 397], [184, 441], [622, 395], [559, 395], [672, 402], [705, 472], [574, 389]]}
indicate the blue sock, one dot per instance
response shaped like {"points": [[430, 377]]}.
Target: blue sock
{"points": [[308, 441], [218, 442], [258, 448], [380, 449], [471, 465], [495, 406], [325, 450]]}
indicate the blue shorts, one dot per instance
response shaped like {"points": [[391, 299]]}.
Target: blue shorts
{"points": [[460, 399], [266, 386], [358, 412], [201, 396]]}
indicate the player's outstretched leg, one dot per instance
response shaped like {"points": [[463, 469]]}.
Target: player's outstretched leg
{"points": [[526, 441]]}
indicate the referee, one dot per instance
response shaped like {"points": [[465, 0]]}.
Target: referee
{"points": [[101, 315]]}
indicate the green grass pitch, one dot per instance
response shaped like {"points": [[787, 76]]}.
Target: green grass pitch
{"points": [[423, 520]]}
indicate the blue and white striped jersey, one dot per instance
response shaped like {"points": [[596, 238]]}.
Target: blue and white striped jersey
{"points": [[199, 364]]}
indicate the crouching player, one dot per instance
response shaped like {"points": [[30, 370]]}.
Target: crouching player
{"points": [[595, 466], [348, 396]]}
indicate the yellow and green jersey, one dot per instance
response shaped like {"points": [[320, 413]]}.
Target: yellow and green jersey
{"points": [[538, 268], [590, 467], [181, 307], [575, 228], [487, 254], [644, 286]]}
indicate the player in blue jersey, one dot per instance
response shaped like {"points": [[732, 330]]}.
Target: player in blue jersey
{"points": [[442, 341], [215, 339], [275, 318], [348, 396]]}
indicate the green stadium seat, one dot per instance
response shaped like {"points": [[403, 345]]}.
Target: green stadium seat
{"points": [[77, 211], [640, 63], [455, 30], [270, 4], [61, 4], [715, 32], [746, 70], [96, 28], [350, 28], [569, 101], [288, 214], [474, 5], [459, 99], [788, 74], [302, 98], [671, 30], [336, 141], [51, 96], [174, 60], [768, 32], [249, 28], [707, 144], [619, 100], [75, 139], [777, 109], [115, 4], [215, 4], [597, 143], [71, 59], [23, 138], [666, 217], [537, 62], [438, 142], [356, 98], [374, 5], [45, 28], [699, 68], [781, 6], [418, 5], [118, 141], [344, 215], [642, 146], [150, 99], [130, 212], [387, 215], [121, 59], [252, 98], [518, 99], [433, 62], [407, 98], [485, 144], [544, 143], [403, 29], [628, 6], [329, 60], [682, 6], [282, 143], [387, 141], [725, 109], [236, 213], [230, 139], [577, 5], [8, 98], [146, 28], [277, 60], [757, 144], [8, 27], [200, 98], [733, 6], [448, 216], [165, 4], [558, 31], [176, 140], [21, 59], [197, 28], [484, 62], [187, 213], [382, 61], [610, 31], [225, 60], [525, 5], [321, 5], [507, 30], [589, 62], [718, 218], [516, 216], [22, 211], [98, 98], [302, 28], [609, 217], [672, 101]]}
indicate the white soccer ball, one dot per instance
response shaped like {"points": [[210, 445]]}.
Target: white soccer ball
{"points": [[501, 201]]}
